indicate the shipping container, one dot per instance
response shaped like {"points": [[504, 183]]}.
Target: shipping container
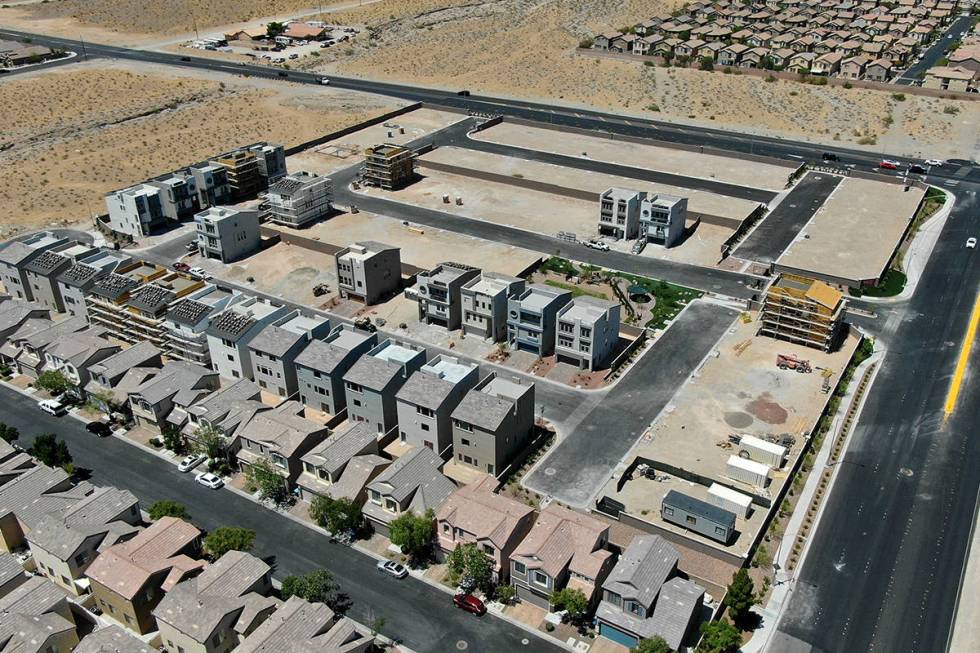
{"points": [[761, 451], [747, 471], [699, 516], [729, 499]]}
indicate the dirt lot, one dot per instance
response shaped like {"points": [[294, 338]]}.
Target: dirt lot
{"points": [[81, 131]]}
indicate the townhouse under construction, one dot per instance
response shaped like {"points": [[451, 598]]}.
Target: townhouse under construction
{"points": [[803, 311]]}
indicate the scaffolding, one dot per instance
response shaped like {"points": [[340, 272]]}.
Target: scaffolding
{"points": [[803, 311], [388, 166]]}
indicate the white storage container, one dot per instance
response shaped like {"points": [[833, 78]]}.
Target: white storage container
{"points": [[762, 451], [747, 471], [729, 499]]}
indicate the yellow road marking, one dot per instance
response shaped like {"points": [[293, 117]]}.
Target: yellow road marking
{"points": [[971, 333]]}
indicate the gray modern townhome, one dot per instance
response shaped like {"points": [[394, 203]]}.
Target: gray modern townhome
{"points": [[484, 300], [230, 331], [428, 399], [619, 213], [532, 316], [186, 323], [493, 423], [588, 331], [373, 381], [663, 219], [77, 280], [274, 349], [19, 253], [439, 294], [227, 234], [299, 199], [413, 483], [321, 366], [42, 273], [368, 270]]}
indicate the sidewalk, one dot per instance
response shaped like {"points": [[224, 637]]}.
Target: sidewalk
{"points": [[783, 580]]}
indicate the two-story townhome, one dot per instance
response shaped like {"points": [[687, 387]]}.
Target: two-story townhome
{"points": [[484, 301], [493, 424], [64, 544], [17, 254], [306, 627], [439, 294], [642, 598], [105, 375], [281, 436], [29, 344], [532, 316], [368, 271], [413, 483], [130, 579], [373, 381], [73, 356], [223, 411], [37, 616], [321, 366], [475, 514], [187, 320], [427, 400], [619, 208], [879, 70], [732, 54], [563, 549], [169, 393], [588, 332], [214, 611], [230, 331], [14, 313], [274, 349], [29, 493], [342, 465], [76, 281], [42, 272], [853, 67]]}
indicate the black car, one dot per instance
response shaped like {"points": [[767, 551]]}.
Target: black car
{"points": [[283, 73], [185, 58], [100, 429], [916, 168], [829, 156]]}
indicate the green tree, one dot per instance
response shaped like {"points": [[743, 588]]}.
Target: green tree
{"points": [[173, 439], [656, 645], [8, 433], [740, 596], [707, 63], [54, 382], [572, 601], [270, 483], [719, 637], [209, 441], [318, 586], [470, 566], [505, 593], [168, 508], [274, 29], [228, 538], [413, 534], [336, 515], [51, 451]]}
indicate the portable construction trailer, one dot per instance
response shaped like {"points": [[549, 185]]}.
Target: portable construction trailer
{"points": [[699, 516], [729, 499], [762, 451], [747, 471]]}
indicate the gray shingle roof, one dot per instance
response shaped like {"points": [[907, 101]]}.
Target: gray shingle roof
{"points": [[15, 252], [290, 628], [116, 365], [10, 569], [326, 357], [333, 453], [643, 568], [275, 341], [113, 639], [483, 410], [372, 373], [415, 472], [175, 377], [426, 390], [14, 312]]}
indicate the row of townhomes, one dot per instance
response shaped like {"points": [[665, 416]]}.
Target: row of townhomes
{"points": [[868, 40], [74, 554]]}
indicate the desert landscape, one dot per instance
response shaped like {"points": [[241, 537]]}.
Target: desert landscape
{"points": [[62, 137]]}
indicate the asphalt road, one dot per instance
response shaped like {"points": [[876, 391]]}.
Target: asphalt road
{"points": [[885, 564], [778, 229], [611, 429], [936, 51], [420, 616]]}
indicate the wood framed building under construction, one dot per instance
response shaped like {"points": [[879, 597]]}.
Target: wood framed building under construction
{"points": [[803, 311], [388, 166]]}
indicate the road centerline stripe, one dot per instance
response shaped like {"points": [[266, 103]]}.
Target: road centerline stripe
{"points": [[954, 386]]}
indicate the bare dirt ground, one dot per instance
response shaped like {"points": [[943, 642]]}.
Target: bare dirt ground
{"points": [[79, 132]]}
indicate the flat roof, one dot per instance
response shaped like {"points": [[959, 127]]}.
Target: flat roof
{"points": [[348, 339], [448, 369], [395, 353], [854, 234]]}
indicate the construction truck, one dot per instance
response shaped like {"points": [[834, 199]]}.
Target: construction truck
{"points": [[792, 362], [364, 323]]}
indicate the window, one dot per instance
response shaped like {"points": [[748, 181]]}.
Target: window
{"points": [[375, 496], [463, 426], [425, 427], [467, 460], [424, 411], [720, 531], [540, 578], [445, 528], [668, 510], [489, 468], [464, 442], [357, 402], [691, 519], [635, 608], [489, 550], [129, 619], [520, 568]]}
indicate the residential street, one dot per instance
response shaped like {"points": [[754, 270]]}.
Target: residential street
{"points": [[420, 616]]}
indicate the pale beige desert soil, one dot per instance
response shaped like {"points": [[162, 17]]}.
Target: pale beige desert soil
{"points": [[74, 133]]}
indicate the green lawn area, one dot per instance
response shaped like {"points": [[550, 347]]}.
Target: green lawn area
{"points": [[891, 284], [575, 290]]}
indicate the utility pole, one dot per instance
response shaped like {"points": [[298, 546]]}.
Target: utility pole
{"points": [[197, 36], [84, 53]]}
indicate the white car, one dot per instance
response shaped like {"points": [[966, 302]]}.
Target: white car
{"points": [[971, 243], [934, 162], [190, 462], [52, 407], [392, 568], [597, 244], [210, 480], [201, 273]]}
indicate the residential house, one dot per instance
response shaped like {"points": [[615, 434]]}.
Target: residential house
{"points": [[388, 166], [801, 62], [493, 424], [966, 56], [130, 579], [224, 410], [73, 356], [623, 43], [950, 78], [495, 524], [602, 41], [214, 611], [37, 618], [732, 54], [14, 313], [826, 64], [413, 483], [187, 320], [31, 493], [299, 199], [373, 381], [426, 401], [879, 70], [588, 332], [136, 211], [274, 349], [226, 233], [754, 58], [484, 300], [646, 45], [17, 254], [853, 67], [113, 639], [307, 628], [663, 219], [642, 598], [280, 436], [440, 294], [12, 573], [342, 466], [76, 281], [143, 315], [164, 397], [251, 168], [42, 271], [368, 271], [104, 376], [532, 316], [230, 331], [302, 31], [780, 57], [564, 548], [321, 366], [24, 350]]}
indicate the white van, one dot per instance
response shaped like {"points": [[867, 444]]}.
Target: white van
{"points": [[52, 407]]}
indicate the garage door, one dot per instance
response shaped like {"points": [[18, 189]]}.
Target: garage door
{"points": [[531, 597], [617, 636]]}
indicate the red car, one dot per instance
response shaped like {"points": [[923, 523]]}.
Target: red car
{"points": [[888, 165], [181, 267], [469, 603]]}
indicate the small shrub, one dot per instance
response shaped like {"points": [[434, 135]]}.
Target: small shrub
{"points": [[898, 97], [550, 627], [848, 85], [951, 110], [585, 43], [653, 107], [727, 70], [770, 78]]}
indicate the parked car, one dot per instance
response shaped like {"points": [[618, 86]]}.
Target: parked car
{"points": [[283, 73], [294, 56], [936, 163], [392, 568], [200, 273], [210, 480], [191, 246], [190, 462], [100, 429], [185, 58], [469, 603], [181, 266], [917, 169], [598, 244], [829, 156], [52, 407], [971, 243], [325, 81], [888, 165]]}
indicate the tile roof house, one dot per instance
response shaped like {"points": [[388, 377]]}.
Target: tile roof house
{"points": [[12, 574], [130, 579], [113, 639], [36, 619], [563, 549], [475, 514], [216, 610], [879, 70], [342, 465], [28, 496], [73, 356], [303, 627], [642, 598], [165, 396], [25, 348], [224, 410], [15, 312], [105, 376], [274, 349], [414, 483], [281, 436]]}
